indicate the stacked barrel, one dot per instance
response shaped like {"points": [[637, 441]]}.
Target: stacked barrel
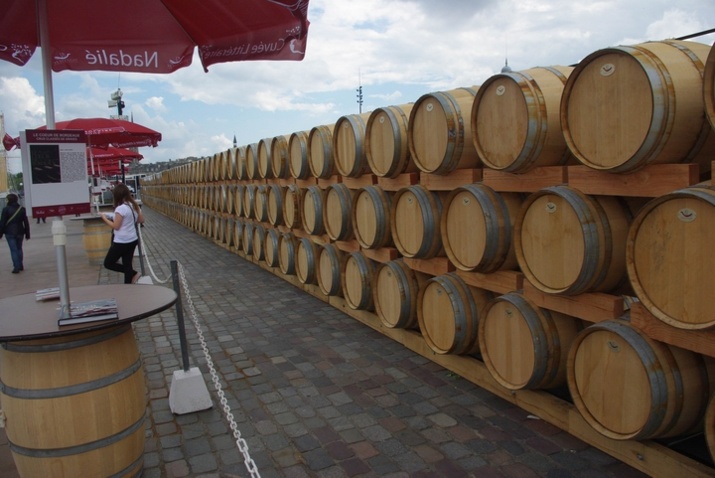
{"points": [[550, 224]]}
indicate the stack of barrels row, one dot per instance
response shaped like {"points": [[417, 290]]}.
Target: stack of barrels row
{"points": [[353, 209]]}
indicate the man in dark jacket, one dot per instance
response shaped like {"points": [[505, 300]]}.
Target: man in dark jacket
{"points": [[15, 226]]}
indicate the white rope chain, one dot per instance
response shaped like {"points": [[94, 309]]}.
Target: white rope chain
{"points": [[146, 256], [240, 441]]}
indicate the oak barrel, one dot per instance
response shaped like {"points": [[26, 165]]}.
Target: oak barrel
{"points": [[287, 243], [515, 119], [395, 291], [320, 151], [523, 345], [259, 242], [274, 203], [252, 169], [386, 142], [710, 427], [96, 239], [58, 436], [306, 260], [330, 265], [440, 132], [626, 107], [293, 206], [415, 222], [280, 163], [371, 217], [265, 163], [249, 201], [260, 205], [357, 278], [628, 386], [247, 238], [448, 311], [477, 227], [298, 164], [349, 145], [337, 212], [271, 250], [569, 243], [312, 212], [667, 257], [238, 200], [241, 169]]}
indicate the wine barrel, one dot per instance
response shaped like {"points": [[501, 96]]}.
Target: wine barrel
{"points": [[667, 259], [569, 243], [626, 107], [265, 168], [298, 164], [280, 163], [259, 242], [395, 293], [523, 345], [330, 264], [58, 436], [320, 151], [415, 222], [252, 168], [630, 387], [349, 145], [477, 227], [274, 202], [232, 163], [249, 201], [357, 278], [238, 200], [306, 260], [271, 250], [241, 167], [371, 217], [260, 205], [515, 119], [247, 238], [229, 237], [96, 239], [448, 311], [287, 244], [293, 206], [312, 212], [440, 131], [386, 141], [337, 212]]}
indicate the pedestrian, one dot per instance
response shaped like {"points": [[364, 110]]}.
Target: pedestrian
{"points": [[127, 214], [15, 226]]}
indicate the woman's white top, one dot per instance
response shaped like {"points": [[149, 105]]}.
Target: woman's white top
{"points": [[127, 232]]}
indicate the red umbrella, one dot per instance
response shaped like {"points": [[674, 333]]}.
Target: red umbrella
{"points": [[149, 36], [115, 132], [107, 161], [154, 36], [113, 154]]}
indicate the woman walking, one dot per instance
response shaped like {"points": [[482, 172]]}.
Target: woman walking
{"points": [[15, 226], [125, 238]]}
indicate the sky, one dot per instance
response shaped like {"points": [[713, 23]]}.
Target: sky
{"points": [[396, 50]]}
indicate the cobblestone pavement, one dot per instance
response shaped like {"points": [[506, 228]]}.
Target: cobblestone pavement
{"points": [[314, 392]]}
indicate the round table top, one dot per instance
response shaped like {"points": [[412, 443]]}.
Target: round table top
{"points": [[24, 318]]}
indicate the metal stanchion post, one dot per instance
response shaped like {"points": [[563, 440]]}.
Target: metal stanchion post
{"points": [[188, 391], [180, 316]]}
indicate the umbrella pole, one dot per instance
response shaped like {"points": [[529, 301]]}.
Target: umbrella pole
{"points": [[46, 62], [59, 230], [59, 238]]}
